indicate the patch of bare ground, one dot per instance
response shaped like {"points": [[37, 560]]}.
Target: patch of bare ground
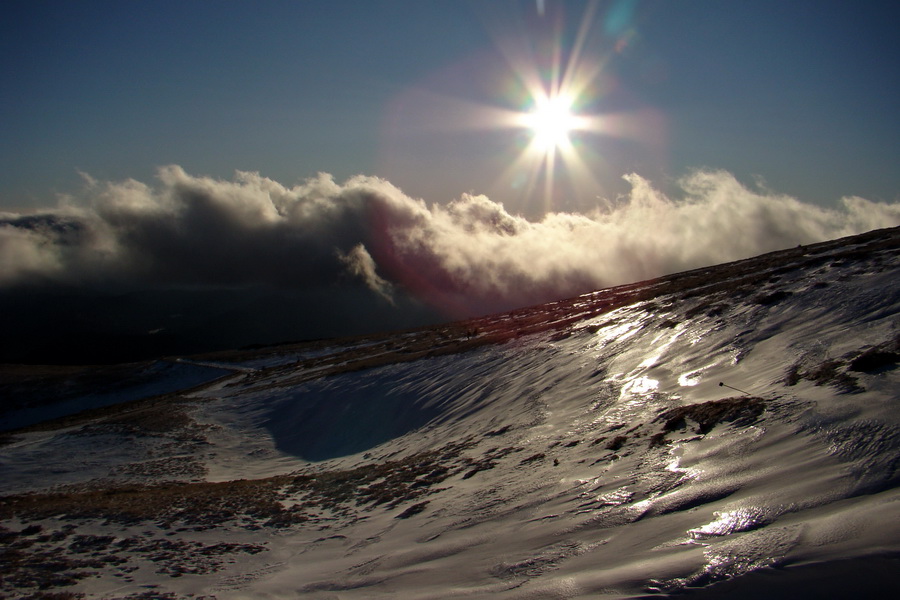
{"points": [[171, 468], [279, 501], [703, 417], [700, 419], [201, 505], [389, 483], [29, 386], [487, 461], [28, 561], [53, 596], [836, 372], [880, 358], [706, 415], [146, 416], [36, 560]]}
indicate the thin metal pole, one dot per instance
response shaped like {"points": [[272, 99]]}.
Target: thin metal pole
{"points": [[721, 384]]}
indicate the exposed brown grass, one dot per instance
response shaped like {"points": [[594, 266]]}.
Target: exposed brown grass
{"points": [[706, 415], [266, 502], [836, 371], [35, 559]]}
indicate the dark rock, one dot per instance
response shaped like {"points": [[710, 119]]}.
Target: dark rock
{"points": [[739, 411], [412, 510], [617, 442], [874, 361]]}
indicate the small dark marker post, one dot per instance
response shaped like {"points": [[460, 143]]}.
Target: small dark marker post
{"points": [[722, 384]]}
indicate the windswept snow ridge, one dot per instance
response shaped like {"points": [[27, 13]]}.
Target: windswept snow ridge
{"points": [[727, 430]]}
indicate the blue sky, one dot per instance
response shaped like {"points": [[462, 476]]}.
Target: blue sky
{"points": [[803, 95]]}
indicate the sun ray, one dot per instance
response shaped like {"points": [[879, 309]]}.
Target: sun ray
{"points": [[549, 86]]}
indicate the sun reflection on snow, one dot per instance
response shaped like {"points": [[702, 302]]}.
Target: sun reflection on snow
{"points": [[640, 386], [730, 522], [620, 325], [618, 333], [675, 466], [659, 351], [689, 379]]}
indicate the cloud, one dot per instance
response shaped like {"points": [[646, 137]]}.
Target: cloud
{"points": [[466, 257], [360, 264]]}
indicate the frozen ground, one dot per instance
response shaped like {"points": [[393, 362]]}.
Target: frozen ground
{"points": [[580, 449]]}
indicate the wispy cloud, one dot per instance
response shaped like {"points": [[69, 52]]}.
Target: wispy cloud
{"points": [[360, 264], [469, 256]]}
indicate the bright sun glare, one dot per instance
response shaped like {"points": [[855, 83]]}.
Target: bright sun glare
{"points": [[555, 96], [551, 121]]}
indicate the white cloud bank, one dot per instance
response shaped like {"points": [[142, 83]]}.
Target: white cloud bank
{"points": [[466, 257]]}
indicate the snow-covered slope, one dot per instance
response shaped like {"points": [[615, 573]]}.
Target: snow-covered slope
{"points": [[728, 430]]}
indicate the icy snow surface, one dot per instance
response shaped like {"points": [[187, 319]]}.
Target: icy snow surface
{"points": [[573, 468]]}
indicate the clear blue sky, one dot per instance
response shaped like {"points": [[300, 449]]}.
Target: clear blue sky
{"points": [[804, 94]]}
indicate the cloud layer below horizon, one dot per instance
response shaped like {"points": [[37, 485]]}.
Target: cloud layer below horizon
{"points": [[463, 258]]}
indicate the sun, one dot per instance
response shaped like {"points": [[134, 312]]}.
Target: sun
{"points": [[551, 121], [554, 96]]}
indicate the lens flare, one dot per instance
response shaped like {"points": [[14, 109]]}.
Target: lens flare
{"points": [[566, 125], [551, 121], [559, 79]]}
